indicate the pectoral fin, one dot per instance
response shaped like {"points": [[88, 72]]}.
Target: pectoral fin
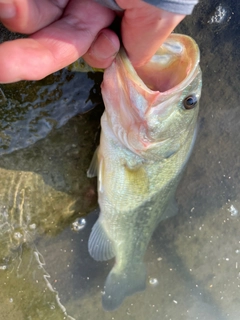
{"points": [[93, 168], [136, 178], [100, 246], [96, 169]]}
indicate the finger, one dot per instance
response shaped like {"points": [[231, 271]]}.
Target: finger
{"points": [[55, 46], [28, 16], [103, 50], [144, 29]]}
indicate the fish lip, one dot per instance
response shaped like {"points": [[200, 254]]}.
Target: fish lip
{"points": [[192, 50]]}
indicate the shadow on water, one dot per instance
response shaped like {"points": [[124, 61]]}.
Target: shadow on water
{"points": [[193, 258]]}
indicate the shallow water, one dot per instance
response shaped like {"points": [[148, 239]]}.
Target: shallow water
{"points": [[193, 260]]}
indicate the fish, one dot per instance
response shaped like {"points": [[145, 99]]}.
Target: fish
{"points": [[148, 130]]}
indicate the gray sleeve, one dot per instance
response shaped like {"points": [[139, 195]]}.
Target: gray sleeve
{"points": [[111, 4], [175, 6]]}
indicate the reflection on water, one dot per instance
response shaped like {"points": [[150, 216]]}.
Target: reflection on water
{"points": [[193, 259], [30, 110]]}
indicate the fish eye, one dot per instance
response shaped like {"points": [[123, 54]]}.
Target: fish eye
{"points": [[190, 102]]}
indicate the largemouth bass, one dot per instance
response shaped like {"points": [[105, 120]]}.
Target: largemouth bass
{"points": [[148, 131]]}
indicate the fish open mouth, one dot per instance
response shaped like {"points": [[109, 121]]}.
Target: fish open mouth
{"points": [[171, 65]]}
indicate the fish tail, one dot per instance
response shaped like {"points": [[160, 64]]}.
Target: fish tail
{"points": [[122, 283]]}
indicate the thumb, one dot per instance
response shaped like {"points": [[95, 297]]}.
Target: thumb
{"points": [[144, 28]]}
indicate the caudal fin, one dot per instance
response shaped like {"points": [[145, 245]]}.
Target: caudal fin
{"points": [[123, 283]]}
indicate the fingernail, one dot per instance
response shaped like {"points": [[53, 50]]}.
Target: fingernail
{"points": [[7, 11], [104, 48]]}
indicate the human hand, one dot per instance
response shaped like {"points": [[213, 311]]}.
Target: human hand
{"points": [[63, 30], [60, 32], [144, 28]]}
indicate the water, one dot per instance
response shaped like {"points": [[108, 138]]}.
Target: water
{"points": [[193, 260], [79, 224]]}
